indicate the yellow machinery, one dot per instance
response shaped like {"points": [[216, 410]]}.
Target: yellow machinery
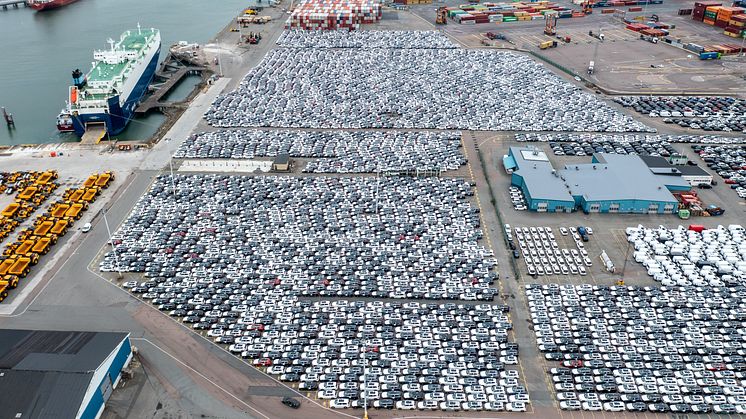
{"points": [[587, 7], [548, 44], [550, 27], [441, 17], [3, 290]]}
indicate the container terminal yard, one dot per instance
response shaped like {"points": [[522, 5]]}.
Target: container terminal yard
{"points": [[438, 213]]}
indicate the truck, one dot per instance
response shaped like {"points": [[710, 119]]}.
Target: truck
{"points": [[46, 177], [27, 193], [42, 246], [21, 267], [59, 210], [4, 286], [60, 228], [90, 181], [583, 233], [75, 195], [75, 211], [709, 55], [11, 210], [548, 44], [11, 280], [43, 228], [90, 195], [104, 179], [715, 211], [25, 247], [5, 266]]}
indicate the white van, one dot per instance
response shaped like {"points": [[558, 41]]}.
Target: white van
{"points": [[86, 228]]}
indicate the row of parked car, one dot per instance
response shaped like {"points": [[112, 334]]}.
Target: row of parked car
{"points": [[298, 38], [695, 256], [728, 161], [657, 349], [714, 113], [333, 151], [517, 198], [237, 258], [543, 255], [387, 237], [582, 137], [395, 88]]}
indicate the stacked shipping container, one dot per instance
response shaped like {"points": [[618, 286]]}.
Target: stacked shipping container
{"points": [[731, 19], [321, 14], [506, 12]]}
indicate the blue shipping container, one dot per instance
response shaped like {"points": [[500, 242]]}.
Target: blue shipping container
{"points": [[709, 55]]}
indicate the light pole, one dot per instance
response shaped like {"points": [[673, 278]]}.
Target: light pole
{"points": [[378, 184], [173, 183], [113, 246], [365, 350]]}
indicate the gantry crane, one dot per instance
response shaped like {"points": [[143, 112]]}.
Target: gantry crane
{"points": [[550, 27], [441, 16]]}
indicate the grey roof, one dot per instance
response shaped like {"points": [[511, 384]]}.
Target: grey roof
{"points": [[38, 394], [659, 163], [282, 158], [692, 171], [614, 177], [56, 351], [539, 177], [619, 177], [45, 374]]}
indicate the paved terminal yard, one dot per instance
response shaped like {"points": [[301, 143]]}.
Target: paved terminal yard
{"points": [[186, 375]]}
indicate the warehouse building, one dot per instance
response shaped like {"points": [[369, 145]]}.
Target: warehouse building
{"points": [[53, 374], [611, 183], [677, 166]]}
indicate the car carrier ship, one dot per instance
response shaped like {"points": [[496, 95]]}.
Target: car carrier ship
{"points": [[104, 100], [41, 5]]}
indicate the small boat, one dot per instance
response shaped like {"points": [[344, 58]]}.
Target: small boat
{"points": [[41, 5], [65, 121]]}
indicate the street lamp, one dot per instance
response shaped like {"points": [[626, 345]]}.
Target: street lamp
{"points": [[366, 349]]}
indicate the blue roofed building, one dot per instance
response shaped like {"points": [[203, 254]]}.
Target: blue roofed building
{"points": [[612, 183]]}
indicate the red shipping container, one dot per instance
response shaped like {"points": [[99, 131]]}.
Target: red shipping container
{"points": [[721, 23]]}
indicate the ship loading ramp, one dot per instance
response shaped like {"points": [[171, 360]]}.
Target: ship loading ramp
{"points": [[94, 133]]}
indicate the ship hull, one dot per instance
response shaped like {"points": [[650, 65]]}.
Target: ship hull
{"points": [[119, 116], [54, 4]]}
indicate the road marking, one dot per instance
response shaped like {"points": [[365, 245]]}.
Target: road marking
{"points": [[203, 377]]}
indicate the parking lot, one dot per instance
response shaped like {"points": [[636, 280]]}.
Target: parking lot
{"points": [[401, 290]]}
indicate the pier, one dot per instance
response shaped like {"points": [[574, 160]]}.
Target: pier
{"points": [[5, 4], [172, 71]]}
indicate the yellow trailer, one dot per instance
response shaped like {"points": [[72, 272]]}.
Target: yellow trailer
{"points": [[43, 228], [42, 246], [59, 210], [90, 195], [20, 267], [5, 266], [75, 211], [103, 180], [25, 247], [90, 181], [76, 195], [11, 209], [27, 193], [60, 228]]}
